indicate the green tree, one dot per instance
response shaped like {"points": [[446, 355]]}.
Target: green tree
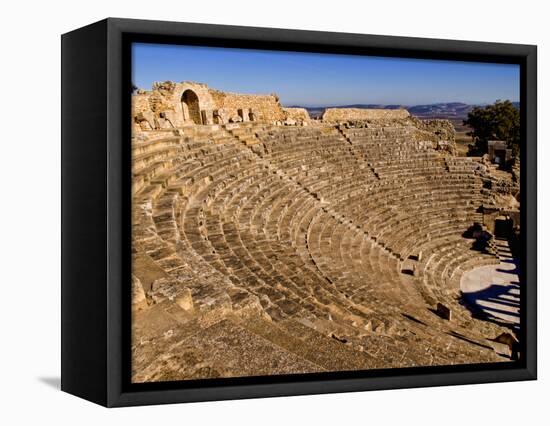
{"points": [[499, 121]]}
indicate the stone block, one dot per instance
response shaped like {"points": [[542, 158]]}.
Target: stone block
{"points": [[220, 116], [148, 118], [185, 300], [164, 123], [170, 117], [139, 301], [290, 122], [443, 311]]}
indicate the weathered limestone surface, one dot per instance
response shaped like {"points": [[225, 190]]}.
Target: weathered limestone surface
{"points": [[261, 248], [345, 114], [265, 107], [440, 132], [297, 114]]}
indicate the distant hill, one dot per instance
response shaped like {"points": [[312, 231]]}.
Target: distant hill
{"points": [[443, 110], [449, 110]]}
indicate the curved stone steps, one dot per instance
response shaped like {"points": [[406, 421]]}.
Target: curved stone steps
{"points": [[285, 224]]}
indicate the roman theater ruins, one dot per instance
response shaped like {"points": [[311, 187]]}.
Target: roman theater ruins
{"points": [[267, 242]]}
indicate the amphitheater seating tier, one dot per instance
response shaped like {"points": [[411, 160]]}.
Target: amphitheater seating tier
{"points": [[295, 239]]}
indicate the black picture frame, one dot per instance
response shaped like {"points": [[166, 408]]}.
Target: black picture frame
{"points": [[96, 196]]}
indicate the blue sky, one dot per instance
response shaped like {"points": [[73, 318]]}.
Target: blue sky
{"points": [[313, 79]]}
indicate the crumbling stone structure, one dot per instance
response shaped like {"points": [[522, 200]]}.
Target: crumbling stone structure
{"points": [[345, 114], [296, 115], [172, 105]]}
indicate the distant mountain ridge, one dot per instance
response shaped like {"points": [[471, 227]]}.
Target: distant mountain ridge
{"points": [[449, 110]]}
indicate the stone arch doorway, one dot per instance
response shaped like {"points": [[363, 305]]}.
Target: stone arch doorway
{"points": [[190, 106]]}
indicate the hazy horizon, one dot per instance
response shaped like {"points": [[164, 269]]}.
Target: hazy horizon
{"points": [[395, 103], [318, 80]]}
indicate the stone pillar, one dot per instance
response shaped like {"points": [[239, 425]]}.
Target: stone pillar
{"points": [[207, 116], [244, 114], [185, 111]]}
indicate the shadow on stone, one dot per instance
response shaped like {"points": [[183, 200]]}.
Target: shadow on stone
{"points": [[495, 299], [410, 317]]}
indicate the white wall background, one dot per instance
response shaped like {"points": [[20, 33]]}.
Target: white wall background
{"points": [[30, 200]]}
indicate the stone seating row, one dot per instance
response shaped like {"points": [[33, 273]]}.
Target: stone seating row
{"points": [[275, 229]]}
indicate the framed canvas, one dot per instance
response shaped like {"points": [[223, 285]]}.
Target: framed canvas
{"points": [[255, 212]]}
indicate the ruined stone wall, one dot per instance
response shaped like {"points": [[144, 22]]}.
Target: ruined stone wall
{"points": [[441, 133], [345, 114], [163, 107], [296, 114], [442, 129], [140, 102], [264, 107]]}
